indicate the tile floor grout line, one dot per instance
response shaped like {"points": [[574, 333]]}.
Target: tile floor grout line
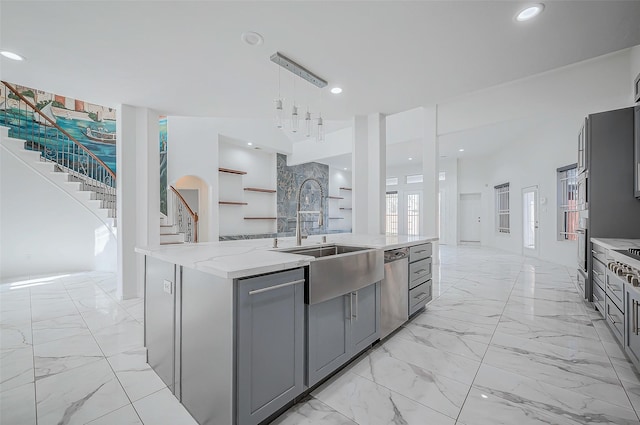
{"points": [[488, 346], [110, 366], [33, 359]]}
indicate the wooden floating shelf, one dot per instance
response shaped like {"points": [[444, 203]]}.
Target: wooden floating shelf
{"points": [[345, 188], [232, 203], [335, 197], [230, 171], [347, 209], [257, 189], [336, 218], [260, 218]]}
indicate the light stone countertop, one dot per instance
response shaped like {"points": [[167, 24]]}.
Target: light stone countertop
{"points": [[241, 258], [612, 244]]}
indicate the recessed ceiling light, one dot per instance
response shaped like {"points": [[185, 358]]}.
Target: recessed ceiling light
{"points": [[336, 90], [249, 143], [252, 38], [529, 12], [11, 55], [410, 159], [460, 150], [345, 169]]}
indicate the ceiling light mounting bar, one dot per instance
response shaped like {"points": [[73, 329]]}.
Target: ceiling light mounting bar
{"points": [[298, 70]]}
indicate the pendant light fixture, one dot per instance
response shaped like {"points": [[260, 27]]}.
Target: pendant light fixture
{"points": [[279, 117], [307, 124], [320, 132], [294, 123]]}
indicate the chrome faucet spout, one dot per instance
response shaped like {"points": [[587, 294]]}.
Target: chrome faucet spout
{"points": [[298, 206]]}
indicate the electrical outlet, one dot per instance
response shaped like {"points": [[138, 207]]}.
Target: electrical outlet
{"points": [[168, 286]]}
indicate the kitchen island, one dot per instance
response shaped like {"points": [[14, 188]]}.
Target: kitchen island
{"points": [[230, 329]]}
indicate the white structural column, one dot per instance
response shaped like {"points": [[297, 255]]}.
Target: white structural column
{"points": [[138, 186], [430, 172], [369, 173]]}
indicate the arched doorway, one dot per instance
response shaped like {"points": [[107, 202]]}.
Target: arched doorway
{"points": [[195, 192]]}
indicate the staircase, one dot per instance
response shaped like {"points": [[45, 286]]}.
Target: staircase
{"points": [[83, 189], [169, 233]]}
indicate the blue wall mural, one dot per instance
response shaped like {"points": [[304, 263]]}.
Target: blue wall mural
{"points": [[92, 125], [163, 165]]}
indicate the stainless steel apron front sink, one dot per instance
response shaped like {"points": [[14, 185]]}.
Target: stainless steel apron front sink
{"points": [[340, 269]]}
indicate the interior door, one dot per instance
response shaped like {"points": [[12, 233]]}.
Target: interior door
{"points": [[530, 221], [470, 217]]}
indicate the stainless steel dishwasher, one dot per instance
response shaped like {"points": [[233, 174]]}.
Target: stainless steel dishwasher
{"points": [[394, 297]]}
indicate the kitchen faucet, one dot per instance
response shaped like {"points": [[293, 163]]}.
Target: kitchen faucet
{"points": [[298, 212]]}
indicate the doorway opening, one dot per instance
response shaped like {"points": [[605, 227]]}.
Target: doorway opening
{"points": [[530, 226], [470, 217]]}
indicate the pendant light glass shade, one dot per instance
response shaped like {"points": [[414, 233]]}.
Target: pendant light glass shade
{"points": [[295, 124], [307, 124], [320, 135], [279, 117]]}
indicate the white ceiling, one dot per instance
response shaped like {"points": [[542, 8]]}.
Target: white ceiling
{"points": [[186, 58]]}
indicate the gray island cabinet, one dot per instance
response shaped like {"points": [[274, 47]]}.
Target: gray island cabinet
{"points": [[236, 351], [231, 350], [340, 328], [237, 337], [270, 343]]}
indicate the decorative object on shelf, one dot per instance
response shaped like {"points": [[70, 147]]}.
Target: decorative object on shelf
{"points": [[345, 188], [257, 189], [230, 171], [232, 203], [348, 209], [305, 74]]}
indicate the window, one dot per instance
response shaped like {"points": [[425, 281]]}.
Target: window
{"points": [[392, 181], [392, 213], [502, 208], [415, 178], [413, 214], [567, 203]]}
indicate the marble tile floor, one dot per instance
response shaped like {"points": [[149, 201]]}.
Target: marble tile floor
{"points": [[507, 340]]}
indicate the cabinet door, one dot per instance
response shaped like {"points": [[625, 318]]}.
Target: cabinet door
{"points": [[270, 343], [365, 318], [632, 340], [328, 333]]}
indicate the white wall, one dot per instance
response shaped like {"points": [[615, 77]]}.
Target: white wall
{"points": [[261, 173], [595, 85], [449, 199], [44, 229], [192, 150], [530, 161], [337, 179]]}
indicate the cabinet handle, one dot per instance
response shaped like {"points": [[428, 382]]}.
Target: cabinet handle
{"points": [[355, 316], [420, 271], [350, 305], [420, 295], [271, 288], [421, 251], [636, 312], [633, 316]]}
